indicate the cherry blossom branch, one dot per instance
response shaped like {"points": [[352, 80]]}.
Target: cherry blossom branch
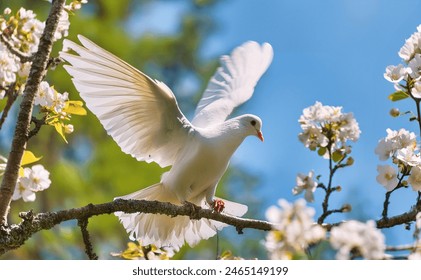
{"points": [[20, 138], [389, 193], [329, 189], [22, 56], [14, 236]]}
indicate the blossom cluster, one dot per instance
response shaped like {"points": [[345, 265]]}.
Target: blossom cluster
{"points": [[402, 148], [31, 179], [407, 77], [34, 179], [357, 239], [294, 230], [327, 129], [21, 32]]}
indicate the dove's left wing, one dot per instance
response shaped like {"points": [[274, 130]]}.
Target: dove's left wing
{"points": [[141, 114], [233, 83]]}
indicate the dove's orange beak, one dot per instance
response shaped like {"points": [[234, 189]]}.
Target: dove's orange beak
{"points": [[260, 136]]}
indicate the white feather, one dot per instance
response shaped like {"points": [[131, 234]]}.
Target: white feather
{"points": [[233, 83]]}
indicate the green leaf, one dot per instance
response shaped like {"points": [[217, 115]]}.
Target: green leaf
{"points": [[398, 95], [28, 158], [337, 156], [75, 108], [59, 128], [322, 151]]}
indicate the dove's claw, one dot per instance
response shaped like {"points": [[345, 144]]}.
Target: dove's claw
{"points": [[218, 205]]}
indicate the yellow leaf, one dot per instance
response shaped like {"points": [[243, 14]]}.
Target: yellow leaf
{"points": [[28, 158], [75, 107], [21, 173], [59, 128]]}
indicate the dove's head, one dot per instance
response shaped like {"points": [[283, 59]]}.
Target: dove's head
{"points": [[253, 125]]}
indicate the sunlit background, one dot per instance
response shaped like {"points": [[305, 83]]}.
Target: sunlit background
{"points": [[330, 51]]}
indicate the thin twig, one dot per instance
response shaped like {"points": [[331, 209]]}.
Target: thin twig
{"points": [[83, 224], [38, 124], [329, 189], [389, 193], [11, 98]]}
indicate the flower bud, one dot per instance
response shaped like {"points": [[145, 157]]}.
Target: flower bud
{"points": [[394, 112], [7, 11], [346, 208], [68, 128], [349, 161]]}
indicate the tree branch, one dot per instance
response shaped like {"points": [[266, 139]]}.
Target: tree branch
{"points": [[11, 98], [404, 218], [14, 236], [20, 138], [83, 224]]}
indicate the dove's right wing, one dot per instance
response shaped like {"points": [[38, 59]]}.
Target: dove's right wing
{"points": [[141, 114], [233, 83]]}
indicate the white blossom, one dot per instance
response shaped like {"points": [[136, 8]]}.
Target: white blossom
{"points": [[305, 183], [9, 65], [414, 178], [48, 97], [394, 141], [408, 156], [63, 26], [31, 26], [36, 178], [387, 177], [45, 95], [416, 90], [395, 74], [59, 101], [415, 256], [294, 230], [22, 191], [354, 236], [415, 66], [320, 122], [412, 46]]}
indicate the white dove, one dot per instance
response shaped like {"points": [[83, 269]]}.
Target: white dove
{"points": [[141, 114]]}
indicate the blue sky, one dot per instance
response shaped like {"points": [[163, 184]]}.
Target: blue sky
{"points": [[330, 51]]}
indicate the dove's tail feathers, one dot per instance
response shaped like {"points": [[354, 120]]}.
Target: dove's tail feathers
{"points": [[163, 230]]}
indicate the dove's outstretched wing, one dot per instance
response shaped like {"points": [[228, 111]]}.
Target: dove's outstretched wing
{"points": [[141, 114], [233, 83]]}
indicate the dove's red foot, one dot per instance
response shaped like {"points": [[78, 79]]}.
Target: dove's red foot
{"points": [[218, 205]]}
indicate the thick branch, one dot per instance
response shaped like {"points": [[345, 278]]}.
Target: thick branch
{"points": [[20, 137], [14, 236]]}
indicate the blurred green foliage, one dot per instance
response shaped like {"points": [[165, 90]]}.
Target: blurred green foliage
{"points": [[92, 168]]}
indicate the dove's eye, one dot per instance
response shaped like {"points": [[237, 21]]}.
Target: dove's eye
{"points": [[253, 122]]}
